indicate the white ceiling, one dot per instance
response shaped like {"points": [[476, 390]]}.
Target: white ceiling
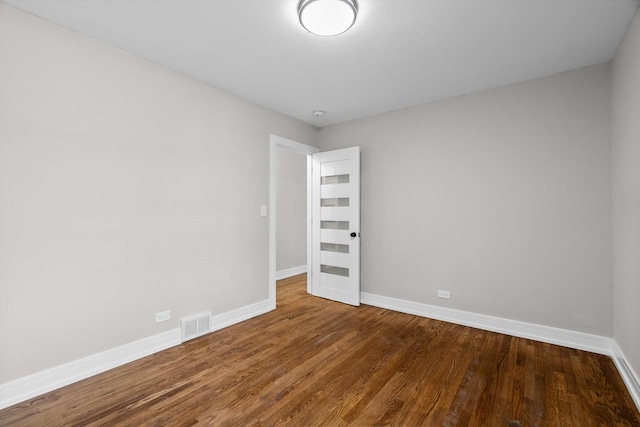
{"points": [[400, 53]]}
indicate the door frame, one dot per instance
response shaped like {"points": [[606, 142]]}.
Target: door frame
{"points": [[276, 142]]}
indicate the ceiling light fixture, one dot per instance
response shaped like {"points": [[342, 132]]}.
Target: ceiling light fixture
{"points": [[327, 17]]}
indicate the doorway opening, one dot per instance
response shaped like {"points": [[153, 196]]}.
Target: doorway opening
{"points": [[276, 146]]}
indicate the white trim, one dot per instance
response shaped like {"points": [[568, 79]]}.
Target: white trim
{"points": [[290, 272], [42, 382], [629, 376], [275, 142], [309, 221], [223, 320], [563, 337]]}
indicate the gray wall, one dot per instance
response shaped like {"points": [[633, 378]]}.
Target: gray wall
{"points": [[291, 227], [626, 194], [125, 189], [502, 197]]}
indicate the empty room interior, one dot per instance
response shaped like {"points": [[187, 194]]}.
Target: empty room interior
{"points": [[172, 192]]}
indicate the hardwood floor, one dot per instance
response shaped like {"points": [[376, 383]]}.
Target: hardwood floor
{"points": [[315, 362]]}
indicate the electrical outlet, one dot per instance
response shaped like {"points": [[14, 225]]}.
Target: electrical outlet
{"points": [[444, 294], [163, 316]]}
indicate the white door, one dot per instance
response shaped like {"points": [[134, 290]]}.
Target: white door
{"points": [[336, 225]]}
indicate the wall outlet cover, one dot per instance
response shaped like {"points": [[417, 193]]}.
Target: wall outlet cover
{"points": [[444, 294], [163, 316]]}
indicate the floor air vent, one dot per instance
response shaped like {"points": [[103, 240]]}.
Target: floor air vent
{"points": [[195, 326]]}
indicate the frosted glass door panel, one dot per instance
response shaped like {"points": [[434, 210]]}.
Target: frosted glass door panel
{"points": [[335, 179], [338, 271], [335, 225], [334, 247], [335, 202]]}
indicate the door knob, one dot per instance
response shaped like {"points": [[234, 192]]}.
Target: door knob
{"points": [[353, 234]]}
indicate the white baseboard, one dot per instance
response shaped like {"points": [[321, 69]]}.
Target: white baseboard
{"points": [[629, 376], [563, 337], [43, 382], [290, 272], [220, 321]]}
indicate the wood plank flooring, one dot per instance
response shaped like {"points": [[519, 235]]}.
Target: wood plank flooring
{"points": [[313, 362]]}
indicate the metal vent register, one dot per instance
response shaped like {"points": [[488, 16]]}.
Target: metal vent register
{"points": [[195, 326]]}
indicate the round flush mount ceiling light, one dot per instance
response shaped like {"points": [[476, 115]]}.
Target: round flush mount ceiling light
{"points": [[327, 17]]}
